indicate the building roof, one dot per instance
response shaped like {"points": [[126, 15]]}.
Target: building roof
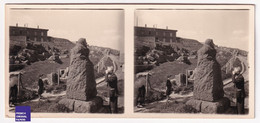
{"points": [[28, 28], [155, 28]]}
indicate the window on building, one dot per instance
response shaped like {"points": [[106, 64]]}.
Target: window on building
{"points": [[156, 33], [171, 34], [21, 32], [150, 32], [35, 33], [163, 33], [41, 39], [42, 33], [170, 40]]}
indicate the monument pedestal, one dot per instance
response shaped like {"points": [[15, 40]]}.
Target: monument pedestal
{"points": [[78, 106], [219, 106]]}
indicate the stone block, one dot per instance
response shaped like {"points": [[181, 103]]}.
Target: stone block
{"points": [[196, 104], [69, 103], [180, 79], [217, 107], [52, 78], [78, 106], [91, 106]]}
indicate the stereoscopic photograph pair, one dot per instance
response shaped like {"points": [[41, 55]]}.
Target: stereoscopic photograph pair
{"points": [[187, 60]]}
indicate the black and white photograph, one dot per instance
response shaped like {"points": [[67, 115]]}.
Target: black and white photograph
{"points": [[86, 61], [66, 60], [193, 61]]}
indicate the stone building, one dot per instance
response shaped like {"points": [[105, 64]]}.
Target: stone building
{"points": [[28, 34], [152, 36]]}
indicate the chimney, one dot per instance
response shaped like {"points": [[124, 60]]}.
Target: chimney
{"points": [[145, 25], [16, 24], [37, 26], [24, 25], [166, 27]]}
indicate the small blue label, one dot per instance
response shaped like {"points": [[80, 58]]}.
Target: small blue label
{"points": [[22, 113]]}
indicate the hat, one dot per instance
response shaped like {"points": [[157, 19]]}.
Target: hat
{"points": [[237, 70], [110, 68]]}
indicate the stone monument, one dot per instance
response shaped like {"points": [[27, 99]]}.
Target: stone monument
{"points": [[81, 85], [208, 93]]}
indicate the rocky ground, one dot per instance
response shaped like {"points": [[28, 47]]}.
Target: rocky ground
{"points": [[49, 101], [176, 103]]}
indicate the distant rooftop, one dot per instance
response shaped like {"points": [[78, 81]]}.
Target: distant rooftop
{"points": [[154, 27], [26, 27]]}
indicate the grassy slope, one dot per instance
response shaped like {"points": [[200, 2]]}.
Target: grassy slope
{"points": [[160, 73], [62, 44], [189, 44], [158, 79], [30, 77]]}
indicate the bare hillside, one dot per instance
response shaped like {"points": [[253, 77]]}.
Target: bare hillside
{"points": [[61, 43]]}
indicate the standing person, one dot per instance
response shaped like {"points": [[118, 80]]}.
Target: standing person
{"points": [[13, 95], [141, 96], [40, 87], [111, 80], [239, 82], [168, 88], [13, 90]]}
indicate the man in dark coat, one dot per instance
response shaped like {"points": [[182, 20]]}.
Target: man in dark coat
{"points": [[13, 94], [239, 82], [141, 96], [13, 89], [40, 87], [168, 88], [111, 80]]}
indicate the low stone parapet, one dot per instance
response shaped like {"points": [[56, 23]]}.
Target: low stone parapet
{"points": [[78, 106]]}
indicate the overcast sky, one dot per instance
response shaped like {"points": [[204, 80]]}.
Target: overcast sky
{"points": [[228, 28], [100, 27]]}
